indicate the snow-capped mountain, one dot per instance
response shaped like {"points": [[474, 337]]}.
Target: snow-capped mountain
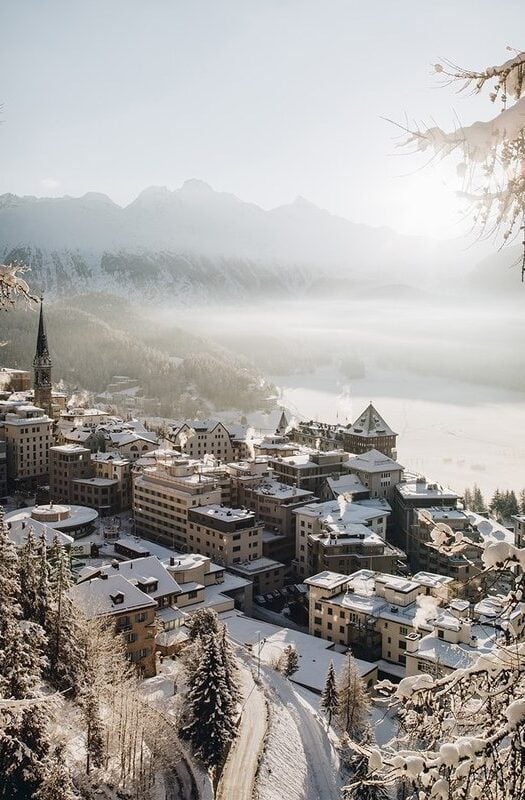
{"points": [[196, 242]]}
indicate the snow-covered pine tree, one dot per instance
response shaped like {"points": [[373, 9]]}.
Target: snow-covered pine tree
{"points": [[330, 695], [354, 703], [44, 597], [24, 736], [478, 501], [467, 498], [28, 566], [522, 501], [203, 622], [66, 662], [211, 719], [231, 670], [56, 783], [290, 661]]}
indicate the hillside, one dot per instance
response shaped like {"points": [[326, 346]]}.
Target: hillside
{"points": [[93, 337]]}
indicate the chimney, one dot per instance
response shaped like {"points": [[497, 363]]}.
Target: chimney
{"points": [[412, 641], [115, 564], [172, 561], [103, 576]]}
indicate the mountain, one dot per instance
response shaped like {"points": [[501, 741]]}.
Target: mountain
{"points": [[196, 243]]}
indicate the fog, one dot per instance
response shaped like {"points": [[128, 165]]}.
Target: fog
{"points": [[448, 375]]}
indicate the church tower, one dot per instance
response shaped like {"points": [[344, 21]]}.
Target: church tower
{"points": [[42, 367]]}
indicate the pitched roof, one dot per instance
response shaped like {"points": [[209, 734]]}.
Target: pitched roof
{"points": [[113, 595], [371, 423], [373, 461]]}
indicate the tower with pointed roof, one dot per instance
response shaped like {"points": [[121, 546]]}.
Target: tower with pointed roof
{"points": [[282, 426], [370, 432], [42, 367]]}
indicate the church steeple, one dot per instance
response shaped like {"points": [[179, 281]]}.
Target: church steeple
{"points": [[42, 367]]}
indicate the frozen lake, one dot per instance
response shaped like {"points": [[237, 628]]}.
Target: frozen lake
{"points": [[453, 432]]}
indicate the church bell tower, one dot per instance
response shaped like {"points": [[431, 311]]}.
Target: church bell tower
{"points": [[42, 367]]}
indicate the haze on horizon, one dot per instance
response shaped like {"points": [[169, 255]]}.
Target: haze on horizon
{"points": [[265, 100]]}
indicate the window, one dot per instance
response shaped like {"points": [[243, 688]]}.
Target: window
{"points": [[330, 612], [441, 635], [192, 595], [403, 631], [318, 621], [402, 645], [341, 629], [329, 626]]}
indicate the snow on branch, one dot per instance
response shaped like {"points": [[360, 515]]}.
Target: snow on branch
{"points": [[13, 286], [492, 165]]}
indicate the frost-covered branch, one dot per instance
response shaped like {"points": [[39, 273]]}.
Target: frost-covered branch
{"points": [[13, 286], [492, 165]]}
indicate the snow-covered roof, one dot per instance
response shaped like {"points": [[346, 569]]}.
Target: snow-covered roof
{"points": [[256, 565], [373, 461], [281, 491], [69, 448], [79, 516], [100, 482], [432, 579], [214, 511], [346, 484], [327, 580], [19, 528], [355, 512], [113, 595], [370, 424], [490, 530], [140, 570], [414, 489], [314, 654]]}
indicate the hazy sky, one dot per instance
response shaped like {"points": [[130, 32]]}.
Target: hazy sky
{"points": [[267, 99]]}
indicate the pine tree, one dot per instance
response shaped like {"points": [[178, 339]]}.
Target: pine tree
{"points": [[29, 577], [56, 784], [203, 622], [467, 499], [353, 700], [211, 725], [24, 737], [44, 596], [522, 501], [512, 505], [496, 503], [231, 669], [478, 501], [330, 695], [289, 661], [65, 650]]}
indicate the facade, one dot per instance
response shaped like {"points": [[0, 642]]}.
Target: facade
{"points": [[519, 530], [370, 432], [227, 535], [379, 473], [309, 471], [197, 438], [112, 466], [3, 470], [67, 462], [416, 494], [27, 445], [317, 435], [273, 504], [373, 612], [162, 497], [343, 537], [112, 596], [14, 380]]}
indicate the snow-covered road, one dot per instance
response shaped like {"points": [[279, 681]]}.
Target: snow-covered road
{"points": [[320, 762], [238, 776]]}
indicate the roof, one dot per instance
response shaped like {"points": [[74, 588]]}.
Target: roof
{"points": [[346, 484], [70, 448], [355, 513], [371, 424], [314, 654], [96, 597], [79, 516], [215, 511], [374, 461], [140, 570], [327, 580], [414, 489], [281, 491], [256, 565], [19, 528]]}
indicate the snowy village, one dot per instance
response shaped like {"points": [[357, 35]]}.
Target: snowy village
{"points": [[262, 498]]}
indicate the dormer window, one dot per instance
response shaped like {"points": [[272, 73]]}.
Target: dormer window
{"points": [[117, 599]]}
